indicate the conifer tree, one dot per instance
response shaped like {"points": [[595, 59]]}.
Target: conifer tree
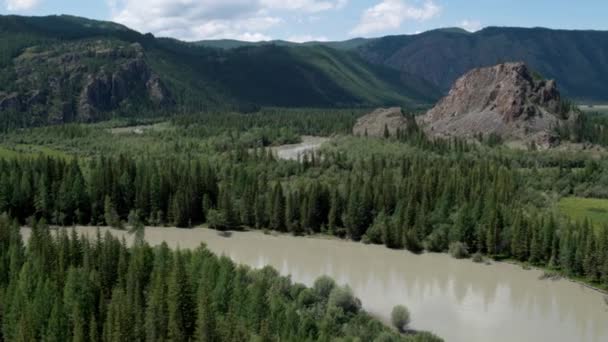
{"points": [[180, 302]]}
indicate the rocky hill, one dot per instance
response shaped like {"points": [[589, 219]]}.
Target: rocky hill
{"points": [[505, 100], [382, 121]]}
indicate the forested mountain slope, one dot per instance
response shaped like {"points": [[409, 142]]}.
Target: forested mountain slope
{"points": [[61, 69], [577, 60]]}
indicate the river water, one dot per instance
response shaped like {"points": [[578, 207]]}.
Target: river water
{"points": [[297, 151], [456, 299]]}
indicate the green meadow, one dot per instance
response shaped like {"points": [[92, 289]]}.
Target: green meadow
{"points": [[579, 209], [27, 150]]}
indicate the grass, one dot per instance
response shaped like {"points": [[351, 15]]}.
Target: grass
{"points": [[27, 150], [579, 209]]}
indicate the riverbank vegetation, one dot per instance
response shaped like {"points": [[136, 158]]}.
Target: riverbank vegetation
{"points": [[578, 208], [61, 287], [404, 191]]}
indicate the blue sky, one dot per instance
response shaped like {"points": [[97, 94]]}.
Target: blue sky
{"points": [[303, 20]]}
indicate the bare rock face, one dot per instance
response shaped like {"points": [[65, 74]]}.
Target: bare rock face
{"points": [[374, 123], [505, 100], [83, 82], [105, 91]]}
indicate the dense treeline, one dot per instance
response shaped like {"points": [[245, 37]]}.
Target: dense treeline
{"points": [[405, 191], [65, 287], [414, 200], [273, 121], [587, 128], [192, 134]]}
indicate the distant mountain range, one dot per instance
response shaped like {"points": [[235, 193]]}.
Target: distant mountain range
{"points": [[578, 60], [64, 68]]}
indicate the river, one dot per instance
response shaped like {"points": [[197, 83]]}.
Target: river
{"points": [[297, 151], [456, 299]]}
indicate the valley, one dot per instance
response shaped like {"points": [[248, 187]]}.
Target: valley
{"points": [[439, 186]]}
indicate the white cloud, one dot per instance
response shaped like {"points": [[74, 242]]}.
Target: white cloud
{"points": [[307, 38], [212, 19], [390, 14], [21, 5], [304, 5], [471, 25]]}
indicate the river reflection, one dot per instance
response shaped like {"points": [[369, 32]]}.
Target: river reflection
{"points": [[456, 299]]}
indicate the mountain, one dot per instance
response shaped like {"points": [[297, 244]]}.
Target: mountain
{"points": [[233, 44], [505, 100], [63, 68], [577, 60]]}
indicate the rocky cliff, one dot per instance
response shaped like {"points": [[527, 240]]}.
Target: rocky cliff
{"points": [[505, 100], [375, 123], [82, 81]]}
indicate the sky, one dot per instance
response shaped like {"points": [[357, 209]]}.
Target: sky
{"points": [[321, 20]]}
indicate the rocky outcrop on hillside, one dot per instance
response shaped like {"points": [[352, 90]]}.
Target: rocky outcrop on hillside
{"points": [[375, 123], [506, 100], [82, 83]]}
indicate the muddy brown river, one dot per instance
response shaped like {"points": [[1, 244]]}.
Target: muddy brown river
{"points": [[456, 299]]}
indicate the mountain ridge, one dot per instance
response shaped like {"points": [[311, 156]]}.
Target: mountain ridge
{"points": [[197, 78], [575, 58]]}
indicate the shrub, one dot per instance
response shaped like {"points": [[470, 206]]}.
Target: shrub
{"points": [[436, 241], [477, 257], [343, 298], [400, 317], [323, 286], [216, 219], [459, 250]]}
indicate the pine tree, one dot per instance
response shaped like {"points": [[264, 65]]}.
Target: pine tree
{"points": [[277, 217], [519, 248], [591, 262], [157, 311], [335, 211], [180, 302], [42, 199], [536, 244], [110, 214], [205, 324], [292, 214]]}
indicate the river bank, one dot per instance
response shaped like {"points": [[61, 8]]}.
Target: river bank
{"points": [[458, 300]]}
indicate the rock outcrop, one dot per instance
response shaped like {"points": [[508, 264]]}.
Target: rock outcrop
{"points": [[375, 123], [83, 83], [506, 100]]}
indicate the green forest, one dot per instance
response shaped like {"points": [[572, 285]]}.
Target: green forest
{"points": [[109, 136], [404, 192], [220, 170], [61, 287]]}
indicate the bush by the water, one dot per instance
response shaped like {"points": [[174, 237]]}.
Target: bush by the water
{"points": [[477, 257], [400, 317], [459, 250]]}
